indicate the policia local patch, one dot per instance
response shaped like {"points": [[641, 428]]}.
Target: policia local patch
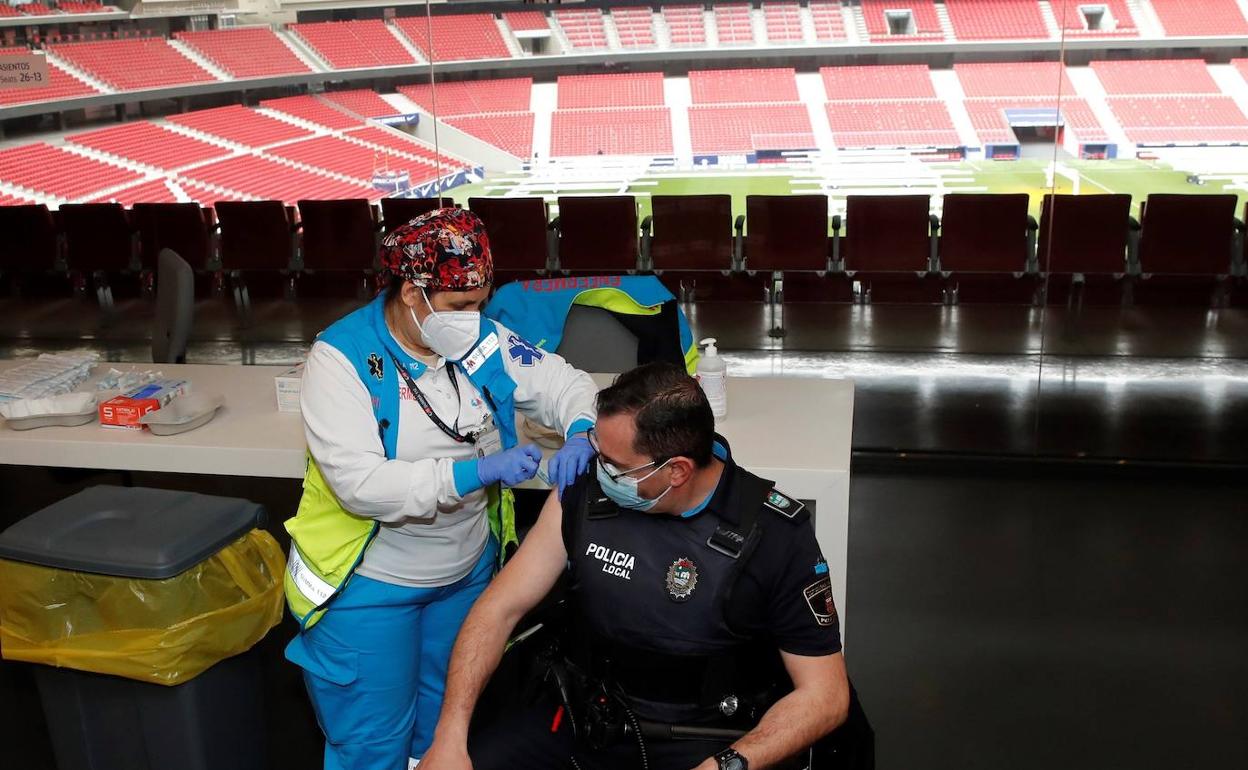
{"points": [[819, 598]]}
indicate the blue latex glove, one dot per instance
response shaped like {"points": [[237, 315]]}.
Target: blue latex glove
{"points": [[570, 462], [515, 466]]}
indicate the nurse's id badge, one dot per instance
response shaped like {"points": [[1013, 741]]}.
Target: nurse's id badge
{"points": [[489, 441]]}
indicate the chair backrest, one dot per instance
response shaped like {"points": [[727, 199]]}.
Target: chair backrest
{"points": [[28, 243], [1187, 234], [594, 341], [1084, 233], [598, 233], [691, 232], [182, 227], [786, 232], [400, 211], [338, 234], [98, 236], [175, 308], [255, 235], [887, 233], [984, 233], [517, 231]]}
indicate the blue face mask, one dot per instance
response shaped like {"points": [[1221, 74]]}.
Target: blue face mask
{"points": [[623, 489]]}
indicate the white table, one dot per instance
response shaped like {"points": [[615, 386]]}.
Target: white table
{"points": [[793, 431]]}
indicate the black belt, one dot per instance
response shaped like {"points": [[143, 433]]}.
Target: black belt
{"points": [[706, 679]]}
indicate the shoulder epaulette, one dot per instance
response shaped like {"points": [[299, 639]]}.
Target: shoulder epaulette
{"points": [[788, 507]]}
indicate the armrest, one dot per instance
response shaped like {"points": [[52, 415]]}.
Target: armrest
{"points": [[553, 225], [738, 243], [933, 223], [646, 237], [1033, 254], [1134, 224], [836, 223]]}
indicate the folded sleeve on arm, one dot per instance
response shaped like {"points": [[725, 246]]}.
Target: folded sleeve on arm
{"points": [[549, 390]]}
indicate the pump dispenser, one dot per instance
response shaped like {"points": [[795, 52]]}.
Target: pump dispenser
{"points": [[713, 375]]}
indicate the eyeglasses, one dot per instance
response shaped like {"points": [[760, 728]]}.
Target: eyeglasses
{"points": [[610, 469]]}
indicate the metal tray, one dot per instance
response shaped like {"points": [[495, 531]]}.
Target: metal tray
{"points": [[53, 420]]}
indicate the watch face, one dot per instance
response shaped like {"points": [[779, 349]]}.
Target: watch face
{"points": [[729, 759]]}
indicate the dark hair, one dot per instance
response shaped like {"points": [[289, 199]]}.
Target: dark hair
{"points": [[672, 415], [393, 289]]}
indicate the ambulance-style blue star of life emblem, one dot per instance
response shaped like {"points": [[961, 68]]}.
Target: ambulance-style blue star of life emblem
{"points": [[374, 365], [521, 351]]}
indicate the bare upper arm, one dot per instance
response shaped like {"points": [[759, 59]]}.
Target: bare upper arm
{"points": [[822, 673], [535, 567]]}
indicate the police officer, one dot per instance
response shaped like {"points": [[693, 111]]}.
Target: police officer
{"points": [[702, 632]]}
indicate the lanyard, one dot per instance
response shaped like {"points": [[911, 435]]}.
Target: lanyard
{"points": [[471, 437]]}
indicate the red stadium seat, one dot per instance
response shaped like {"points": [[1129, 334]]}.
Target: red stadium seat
{"points": [[1083, 248], [400, 211], [183, 227], [887, 248], [29, 250], [339, 247], [688, 240], [1185, 248], [518, 234], [257, 247], [100, 241], [788, 234], [597, 234], [985, 248], [99, 237]]}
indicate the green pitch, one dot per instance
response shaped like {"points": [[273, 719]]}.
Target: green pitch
{"points": [[1137, 178]]}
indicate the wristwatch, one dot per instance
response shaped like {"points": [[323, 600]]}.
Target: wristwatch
{"points": [[729, 759]]}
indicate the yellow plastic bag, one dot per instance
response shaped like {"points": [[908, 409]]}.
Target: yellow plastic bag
{"points": [[162, 631]]}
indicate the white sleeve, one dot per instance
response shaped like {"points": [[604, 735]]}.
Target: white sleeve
{"points": [[549, 390], [343, 438]]}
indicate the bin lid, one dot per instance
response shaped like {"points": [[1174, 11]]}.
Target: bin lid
{"points": [[130, 532]]}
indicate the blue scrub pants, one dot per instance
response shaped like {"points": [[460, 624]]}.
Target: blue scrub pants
{"points": [[375, 666]]}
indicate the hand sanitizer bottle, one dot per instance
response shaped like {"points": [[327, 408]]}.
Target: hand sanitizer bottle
{"points": [[713, 375]]}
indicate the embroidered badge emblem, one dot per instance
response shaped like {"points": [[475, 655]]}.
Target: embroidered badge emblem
{"points": [[682, 578], [374, 365]]}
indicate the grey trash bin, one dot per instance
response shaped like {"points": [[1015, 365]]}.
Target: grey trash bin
{"points": [[215, 720]]}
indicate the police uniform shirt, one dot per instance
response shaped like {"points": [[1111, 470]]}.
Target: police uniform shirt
{"points": [[643, 583]]}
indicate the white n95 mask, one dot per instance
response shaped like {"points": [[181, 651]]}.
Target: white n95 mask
{"points": [[449, 333]]}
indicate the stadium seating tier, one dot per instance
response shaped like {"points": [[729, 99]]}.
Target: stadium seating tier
{"points": [[1200, 17], [354, 44], [313, 110], [133, 65], [149, 144], [1161, 76], [456, 38], [473, 97], [996, 19], [895, 81], [743, 128], [627, 89], [744, 85], [53, 171], [245, 52], [61, 85], [632, 131], [240, 125], [511, 131]]}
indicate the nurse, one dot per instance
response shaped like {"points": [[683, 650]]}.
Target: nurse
{"points": [[409, 410]]}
